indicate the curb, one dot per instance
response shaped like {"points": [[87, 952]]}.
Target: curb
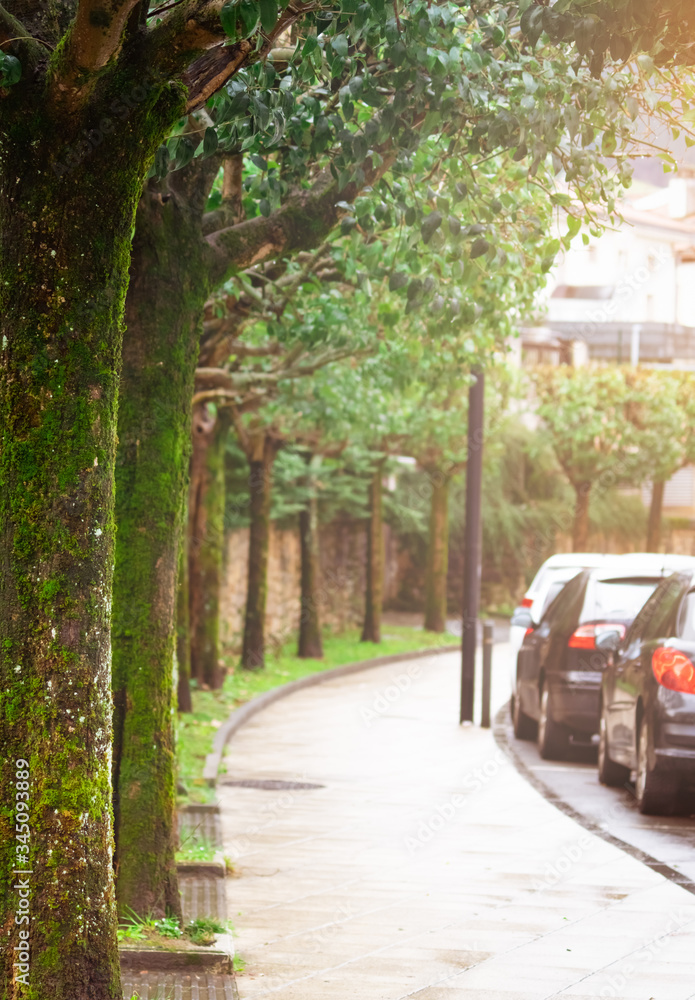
{"points": [[501, 733], [241, 716]]}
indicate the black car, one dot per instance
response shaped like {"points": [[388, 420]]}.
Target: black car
{"points": [[560, 665], [647, 720]]}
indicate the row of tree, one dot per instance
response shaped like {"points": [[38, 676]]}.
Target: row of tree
{"points": [[153, 155]]}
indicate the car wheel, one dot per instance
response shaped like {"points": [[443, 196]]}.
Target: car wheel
{"points": [[609, 773], [553, 739], [524, 725], [656, 793]]}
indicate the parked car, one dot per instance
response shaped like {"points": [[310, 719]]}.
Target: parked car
{"points": [[560, 663], [546, 585], [647, 699]]}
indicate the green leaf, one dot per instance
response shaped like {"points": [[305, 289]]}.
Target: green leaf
{"points": [[249, 13], [210, 142], [397, 280], [479, 247], [10, 70], [269, 14], [228, 17], [430, 225], [339, 44]]}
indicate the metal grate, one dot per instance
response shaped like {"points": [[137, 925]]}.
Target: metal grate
{"points": [[270, 784]]}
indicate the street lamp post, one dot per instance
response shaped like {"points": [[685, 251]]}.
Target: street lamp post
{"points": [[472, 545]]}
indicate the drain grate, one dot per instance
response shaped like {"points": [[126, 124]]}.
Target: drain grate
{"points": [[270, 784]]}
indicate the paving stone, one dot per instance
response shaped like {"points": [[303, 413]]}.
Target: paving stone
{"points": [[424, 866]]}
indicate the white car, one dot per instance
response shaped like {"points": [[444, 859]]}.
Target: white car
{"points": [[546, 585]]}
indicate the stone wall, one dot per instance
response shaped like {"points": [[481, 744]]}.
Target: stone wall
{"points": [[341, 592]]}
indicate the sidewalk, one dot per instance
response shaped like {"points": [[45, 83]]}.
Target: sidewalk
{"points": [[426, 866]]}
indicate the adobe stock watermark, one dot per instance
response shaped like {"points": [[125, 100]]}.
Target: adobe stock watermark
{"points": [[473, 781], [22, 870], [615, 982], [387, 696], [268, 814], [120, 110]]}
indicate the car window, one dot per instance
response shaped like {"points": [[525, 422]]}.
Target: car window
{"points": [[562, 612], [553, 590], [685, 627], [660, 619], [620, 598], [645, 614]]}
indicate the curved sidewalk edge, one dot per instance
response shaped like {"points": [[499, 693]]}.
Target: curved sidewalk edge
{"points": [[241, 716], [501, 732]]}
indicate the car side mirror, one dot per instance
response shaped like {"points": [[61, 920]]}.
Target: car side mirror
{"points": [[522, 618], [608, 641]]}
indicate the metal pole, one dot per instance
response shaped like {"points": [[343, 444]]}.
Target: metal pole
{"points": [[472, 546], [487, 672]]}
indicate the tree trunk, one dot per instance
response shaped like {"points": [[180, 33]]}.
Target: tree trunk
{"points": [[310, 643], [580, 528], [65, 238], [206, 544], [654, 523], [164, 306], [437, 555], [183, 632], [371, 630], [261, 459]]}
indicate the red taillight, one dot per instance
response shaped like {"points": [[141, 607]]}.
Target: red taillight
{"points": [[674, 670], [585, 636], [527, 602]]}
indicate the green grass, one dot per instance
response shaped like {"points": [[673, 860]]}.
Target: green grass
{"points": [[210, 708]]}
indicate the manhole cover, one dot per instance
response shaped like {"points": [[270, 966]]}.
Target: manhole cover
{"points": [[271, 784]]}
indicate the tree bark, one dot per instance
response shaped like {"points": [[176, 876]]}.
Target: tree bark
{"points": [[183, 633], [437, 554], [580, 527], [206, 544], [64, 251], [310, 644], [371, 630], [654, 523], [261, 457], [167, 291]]}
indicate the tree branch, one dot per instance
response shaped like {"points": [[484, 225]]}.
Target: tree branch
{"points": [[193, 27], [92, 41], [301, 224], [16, 40]]}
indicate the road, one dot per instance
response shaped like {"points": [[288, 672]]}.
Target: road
{"points": [[665, 843]]}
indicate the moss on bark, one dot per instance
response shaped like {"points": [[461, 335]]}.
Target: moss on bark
{"points": [[206, 543], [437, 554], [262, 457], [65, 234], [371, 630], [164, 306], [310, 644], [183, 632]]}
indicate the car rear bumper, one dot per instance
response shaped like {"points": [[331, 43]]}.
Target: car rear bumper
{"points": [[575, 699]]}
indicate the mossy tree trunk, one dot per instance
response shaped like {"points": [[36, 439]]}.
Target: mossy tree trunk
{"points": [[206, 543], [654, 522], [437, 553], [371, 630], [167, 292], [580, 526], [65, 234], [310, 644], [183, 632], [261, 450]]}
